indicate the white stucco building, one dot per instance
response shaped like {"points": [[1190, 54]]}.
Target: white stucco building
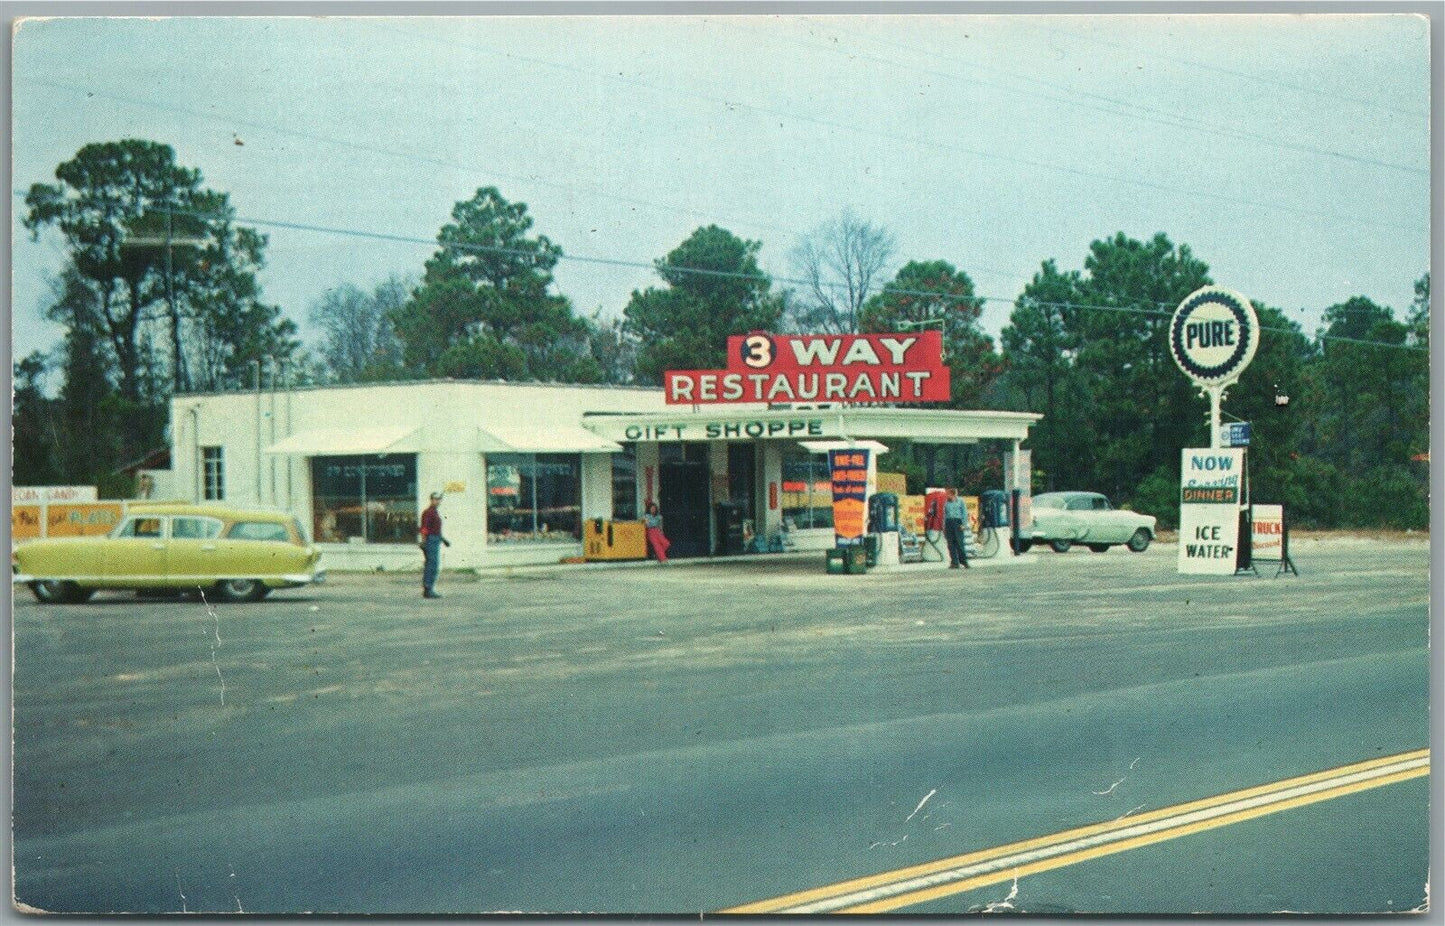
{"points": [[522, 465]]}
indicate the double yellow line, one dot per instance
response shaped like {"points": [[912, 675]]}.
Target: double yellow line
{"points": [[917, 884]]}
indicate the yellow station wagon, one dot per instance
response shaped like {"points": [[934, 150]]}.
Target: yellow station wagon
{"points": [[231, 553]]}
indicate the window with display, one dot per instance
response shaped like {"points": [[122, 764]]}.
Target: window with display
{"points": [[364, 499], [807, 496], [624, 484], [534, 498]]}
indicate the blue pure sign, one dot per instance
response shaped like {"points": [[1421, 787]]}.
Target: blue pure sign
{"points": [[1213, 336]]}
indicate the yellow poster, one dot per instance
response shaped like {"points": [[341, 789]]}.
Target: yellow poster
{"points": [[971, 502], [24, 522], [81, 520], [911, 513], [897, 483]]}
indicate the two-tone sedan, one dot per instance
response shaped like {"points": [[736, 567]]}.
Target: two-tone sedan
{"points": [[231, 554], [1062, 519]]}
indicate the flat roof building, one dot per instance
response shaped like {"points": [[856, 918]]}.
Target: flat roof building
{"points": [[523, 465]]}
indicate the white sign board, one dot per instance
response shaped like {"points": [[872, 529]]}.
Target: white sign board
{"points": [[1210, 485], [36, 495], [1267, 538], [1208, 539]]}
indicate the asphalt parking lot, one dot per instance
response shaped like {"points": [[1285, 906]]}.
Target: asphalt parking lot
{"points": [[175, 755]]}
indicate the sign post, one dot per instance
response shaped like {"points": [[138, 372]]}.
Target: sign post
{"points": [[1213, 336]]}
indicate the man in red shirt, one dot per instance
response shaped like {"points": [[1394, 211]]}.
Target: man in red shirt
{"points": [[431, 546]]}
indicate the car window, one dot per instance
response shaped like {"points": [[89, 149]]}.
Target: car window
{"points": [[1048, 501], [1079, 504], [195, 528], [140, 527], [258, 530], [1100, 503]]}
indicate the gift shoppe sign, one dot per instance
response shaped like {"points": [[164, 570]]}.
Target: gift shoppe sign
{"points": [[852, 368]]}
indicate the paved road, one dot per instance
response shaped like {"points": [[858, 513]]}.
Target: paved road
{"points": [[694, 738]]}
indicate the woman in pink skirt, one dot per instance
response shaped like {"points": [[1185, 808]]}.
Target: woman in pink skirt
{"points": [[655, 539]]}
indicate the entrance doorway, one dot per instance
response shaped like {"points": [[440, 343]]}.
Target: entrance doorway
{"points": [[682, 492]]}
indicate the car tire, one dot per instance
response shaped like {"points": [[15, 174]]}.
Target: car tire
{"points": [[58, 591], [1060, 546], [240, 590], [1140, 541]]}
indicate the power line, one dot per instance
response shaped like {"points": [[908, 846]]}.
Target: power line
{"points": [[1160, 310], [921, 141], [1258, 78], [1116, 107], [425, 159], [388, 152]]}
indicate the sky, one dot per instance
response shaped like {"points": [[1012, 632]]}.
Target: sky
{"points": [[1289, 152]]}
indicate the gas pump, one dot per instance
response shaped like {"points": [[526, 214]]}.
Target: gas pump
{"points": [[883, 541], [933, 502]]}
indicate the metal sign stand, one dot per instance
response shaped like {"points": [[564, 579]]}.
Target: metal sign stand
{"points": [[1286, 565]]}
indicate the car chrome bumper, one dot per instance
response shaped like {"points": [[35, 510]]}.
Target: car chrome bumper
{"points": [[305, 578]]}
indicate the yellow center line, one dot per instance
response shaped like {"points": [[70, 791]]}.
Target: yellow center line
{"points": [[842, 889]]}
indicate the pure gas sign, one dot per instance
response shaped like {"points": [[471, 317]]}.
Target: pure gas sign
{"points": [[1213, 336]]}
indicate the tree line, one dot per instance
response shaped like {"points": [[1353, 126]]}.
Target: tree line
{"points": [[159, 296]]}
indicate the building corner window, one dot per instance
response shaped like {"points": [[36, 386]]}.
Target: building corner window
{"points": [[213, 474]]}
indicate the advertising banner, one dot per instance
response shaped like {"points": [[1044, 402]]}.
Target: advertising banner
{"points": [[849, 469], [1268, 531], [82, 520], [818, 368], [36, 495], [24, 522], [1210, 481], [970, 502], [911, 510], [1208, 539], [1211, 477], [1234, 434]]}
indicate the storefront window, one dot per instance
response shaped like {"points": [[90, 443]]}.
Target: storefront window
{"points": [[624, 483], [807, 496], [534, 497], [364, 499]]}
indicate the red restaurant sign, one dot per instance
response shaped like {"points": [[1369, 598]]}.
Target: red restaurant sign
{"points": [[819, 368]]}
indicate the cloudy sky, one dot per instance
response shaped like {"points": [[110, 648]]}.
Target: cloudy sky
{"points": [[1291, 153]]}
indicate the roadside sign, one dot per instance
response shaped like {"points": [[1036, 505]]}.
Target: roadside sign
{"points": [[1234, 434], [1213, 336], [1268, 531], [1209, 496]]}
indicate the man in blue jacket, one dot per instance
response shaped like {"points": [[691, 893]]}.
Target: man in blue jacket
{"points": [[955, 513]]}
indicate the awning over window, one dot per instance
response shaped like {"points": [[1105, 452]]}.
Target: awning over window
{"points": [[823, 446], [543, 438], [343, 441]]}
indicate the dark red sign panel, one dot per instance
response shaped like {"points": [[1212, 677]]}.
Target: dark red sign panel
{"points": [[819, 368]]}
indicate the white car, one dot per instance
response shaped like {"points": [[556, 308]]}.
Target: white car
{"points": [[1062, 519]]}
